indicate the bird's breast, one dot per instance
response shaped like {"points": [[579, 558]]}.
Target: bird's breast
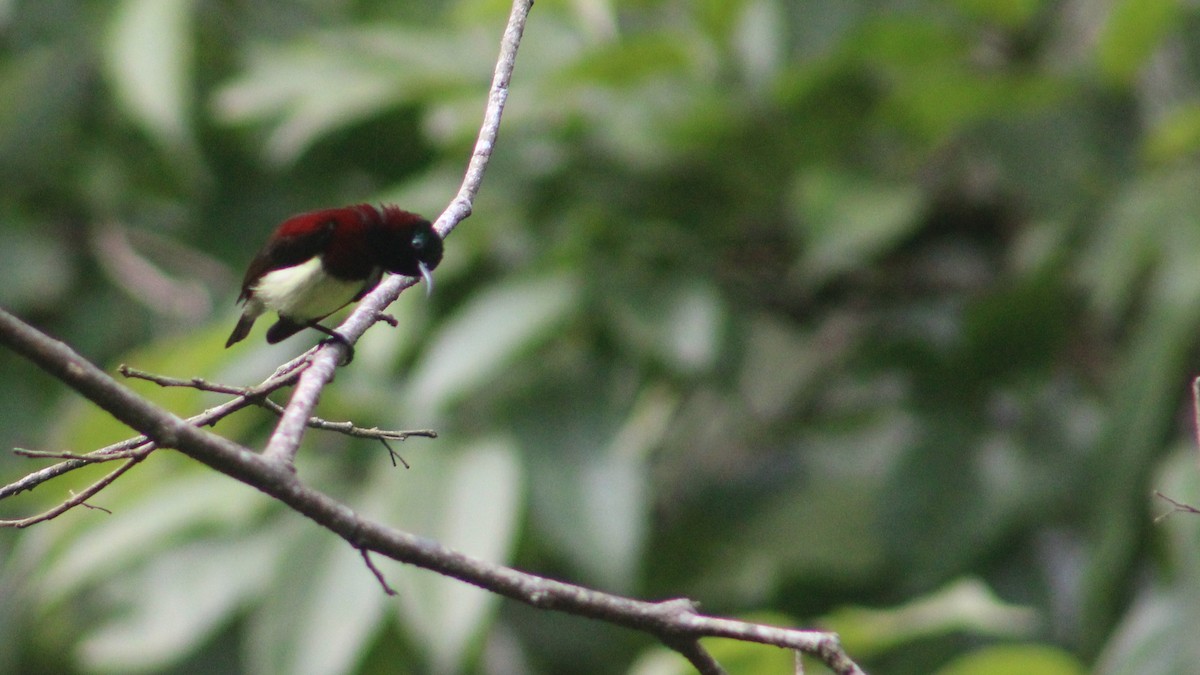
{"points": [[305, 291]]}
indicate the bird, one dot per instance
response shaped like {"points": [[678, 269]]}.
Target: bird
{"points": [[318, 262]]}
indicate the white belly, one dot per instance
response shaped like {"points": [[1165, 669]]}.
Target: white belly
{"points": [[304, 291]]}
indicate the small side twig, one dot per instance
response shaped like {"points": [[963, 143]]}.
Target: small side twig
{"points": [[283, 376], [1196, 411], [93, 507], [259, 398], [393, 454], [1177, 506], [366, 556], [73, 456], [81, 498]]}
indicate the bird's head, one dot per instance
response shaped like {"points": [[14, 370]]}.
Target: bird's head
{"points": [[407, 244]]}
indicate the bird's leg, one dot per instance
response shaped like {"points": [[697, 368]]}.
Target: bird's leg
{"points": [[335, 336]]}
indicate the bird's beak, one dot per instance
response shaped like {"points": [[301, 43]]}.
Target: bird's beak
{"points": [[428, 277]]}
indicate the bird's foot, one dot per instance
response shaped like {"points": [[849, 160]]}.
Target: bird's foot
{"points": [[335, 336]]}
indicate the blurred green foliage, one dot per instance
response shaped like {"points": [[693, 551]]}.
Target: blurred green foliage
{"points": [[870, 316]]}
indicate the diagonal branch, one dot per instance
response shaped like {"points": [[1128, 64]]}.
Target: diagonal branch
{"points": [[285, 442], [81, 498], [675, 622], [283, 376]]}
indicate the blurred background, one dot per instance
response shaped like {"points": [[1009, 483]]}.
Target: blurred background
{"points": [[871, 316]]}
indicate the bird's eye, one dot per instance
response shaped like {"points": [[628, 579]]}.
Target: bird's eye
{"points": [[419, 240]]}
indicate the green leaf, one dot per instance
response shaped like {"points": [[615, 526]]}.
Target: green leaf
{"points": [[760, 40], [1156, 633], [680, 323], [46, 91], [34, 269], [468, 499], [371, 69], [1147, 223], [1175, 136], [628, 63], [846, 221], [1154, 636], [966, 606], [1007, 13], [1027, 659], [485, 336], [148, 54], [1133, 31], [144, 523], [319, 616], [175, 602]]}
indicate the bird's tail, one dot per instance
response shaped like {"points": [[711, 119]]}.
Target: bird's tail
{"points": [[241, 330]]}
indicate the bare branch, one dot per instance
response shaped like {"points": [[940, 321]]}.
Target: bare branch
{"points": [[81, 498], [197, 383], [691, 649], [258, 397], [1196, 411], [1176, 507], [87, 459], [282, 377], [366, 556], [675, 622], [285, 442], [120, 450]]}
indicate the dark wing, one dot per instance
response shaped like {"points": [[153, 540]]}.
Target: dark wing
{"points": [[286, 251], [241, 330], [370, 284]]}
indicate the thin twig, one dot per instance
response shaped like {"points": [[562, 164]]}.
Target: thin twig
{"points": [[366, 556], [121, 450], [1196, 411], [285, 442], [198, 383], [92, 507], [79, 499], [393, 454], [691, 649], [259, 398], [282, 377], [349, 429], [87, 459], [1176, 507]]}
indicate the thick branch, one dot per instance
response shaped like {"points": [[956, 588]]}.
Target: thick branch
{"points": [[158, 425], [676, 623], [283, 376]]}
